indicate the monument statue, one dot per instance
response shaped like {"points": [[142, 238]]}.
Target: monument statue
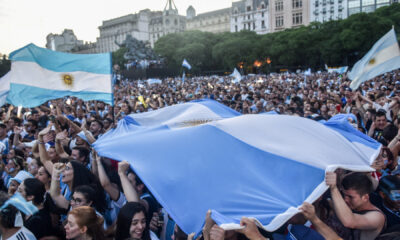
{"points": [[136, 50]]}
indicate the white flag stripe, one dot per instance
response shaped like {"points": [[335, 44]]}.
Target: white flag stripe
{"points": [[383, 56], [293, 147], [43, 78]]}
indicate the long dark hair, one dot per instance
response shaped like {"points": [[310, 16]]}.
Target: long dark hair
{"points": [[82, 176], [124, 221], [89, 192]]}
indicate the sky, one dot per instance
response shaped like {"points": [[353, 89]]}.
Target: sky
{"points": [[30, 21]]}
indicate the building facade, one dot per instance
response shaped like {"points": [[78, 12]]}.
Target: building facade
{"points": [[327, 10], [63, 42], [147, 26], [288, 14], [215, 21], [114, 31], [165, 22], [357, 6], [252, 15]]}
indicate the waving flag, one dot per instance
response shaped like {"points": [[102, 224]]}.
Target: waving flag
{"points": [[383, 57], [186, 64], [339, 70], [258, 165], [236, 75], [39, 75]]}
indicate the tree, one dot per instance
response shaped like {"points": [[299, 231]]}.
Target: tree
{"points": [[118, 57]]}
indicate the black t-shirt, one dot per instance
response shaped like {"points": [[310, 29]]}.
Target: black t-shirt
{"points": [[40, 224]]}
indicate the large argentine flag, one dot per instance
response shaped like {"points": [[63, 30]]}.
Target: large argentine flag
{"points": [[39, 75], [383, 57], [261, 166]]}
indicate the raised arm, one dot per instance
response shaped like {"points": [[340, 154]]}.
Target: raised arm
{"points": [[359, 106], [110, 188], [308, 211], [394, 102], [44, 157], [17, 134], [8, 116], [129, 190], [368, 221], [55, 191], [366, 99], [59, 147]]}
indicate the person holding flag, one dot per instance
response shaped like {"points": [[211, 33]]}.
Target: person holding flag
{"points": [[185, 64]]}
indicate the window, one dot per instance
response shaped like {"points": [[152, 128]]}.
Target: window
{"points": [[248, 8], [279, 21], [248, 16], [316, 3], [297, 3], [236, 28], [235, 19], [297, 18], [244, 26], [354, 3], [254, 26], [368, 2], [262, 24], [262, 14], [279, 6], [249, 25]]}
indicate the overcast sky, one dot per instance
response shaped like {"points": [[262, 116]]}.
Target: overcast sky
{"points": [[29, 21]]}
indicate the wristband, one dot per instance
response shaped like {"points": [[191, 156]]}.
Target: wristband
{"points": [[40, 142]]}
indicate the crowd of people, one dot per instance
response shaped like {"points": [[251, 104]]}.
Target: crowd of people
{"points": [[48, 161]]}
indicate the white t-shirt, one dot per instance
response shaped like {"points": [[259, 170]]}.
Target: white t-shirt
{"points": [[22, 234]]}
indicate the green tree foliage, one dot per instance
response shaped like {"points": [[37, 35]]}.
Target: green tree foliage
{"points": [[335, 43], [118, 57]]}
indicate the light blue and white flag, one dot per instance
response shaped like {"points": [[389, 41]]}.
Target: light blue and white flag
{"points": [[236, 75], [19, 202], [339, 70], [383, 57], [39, 75], [151, 81], [4, 88], [307, 72], [183, 77], [186, 64], [257, 165]]}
